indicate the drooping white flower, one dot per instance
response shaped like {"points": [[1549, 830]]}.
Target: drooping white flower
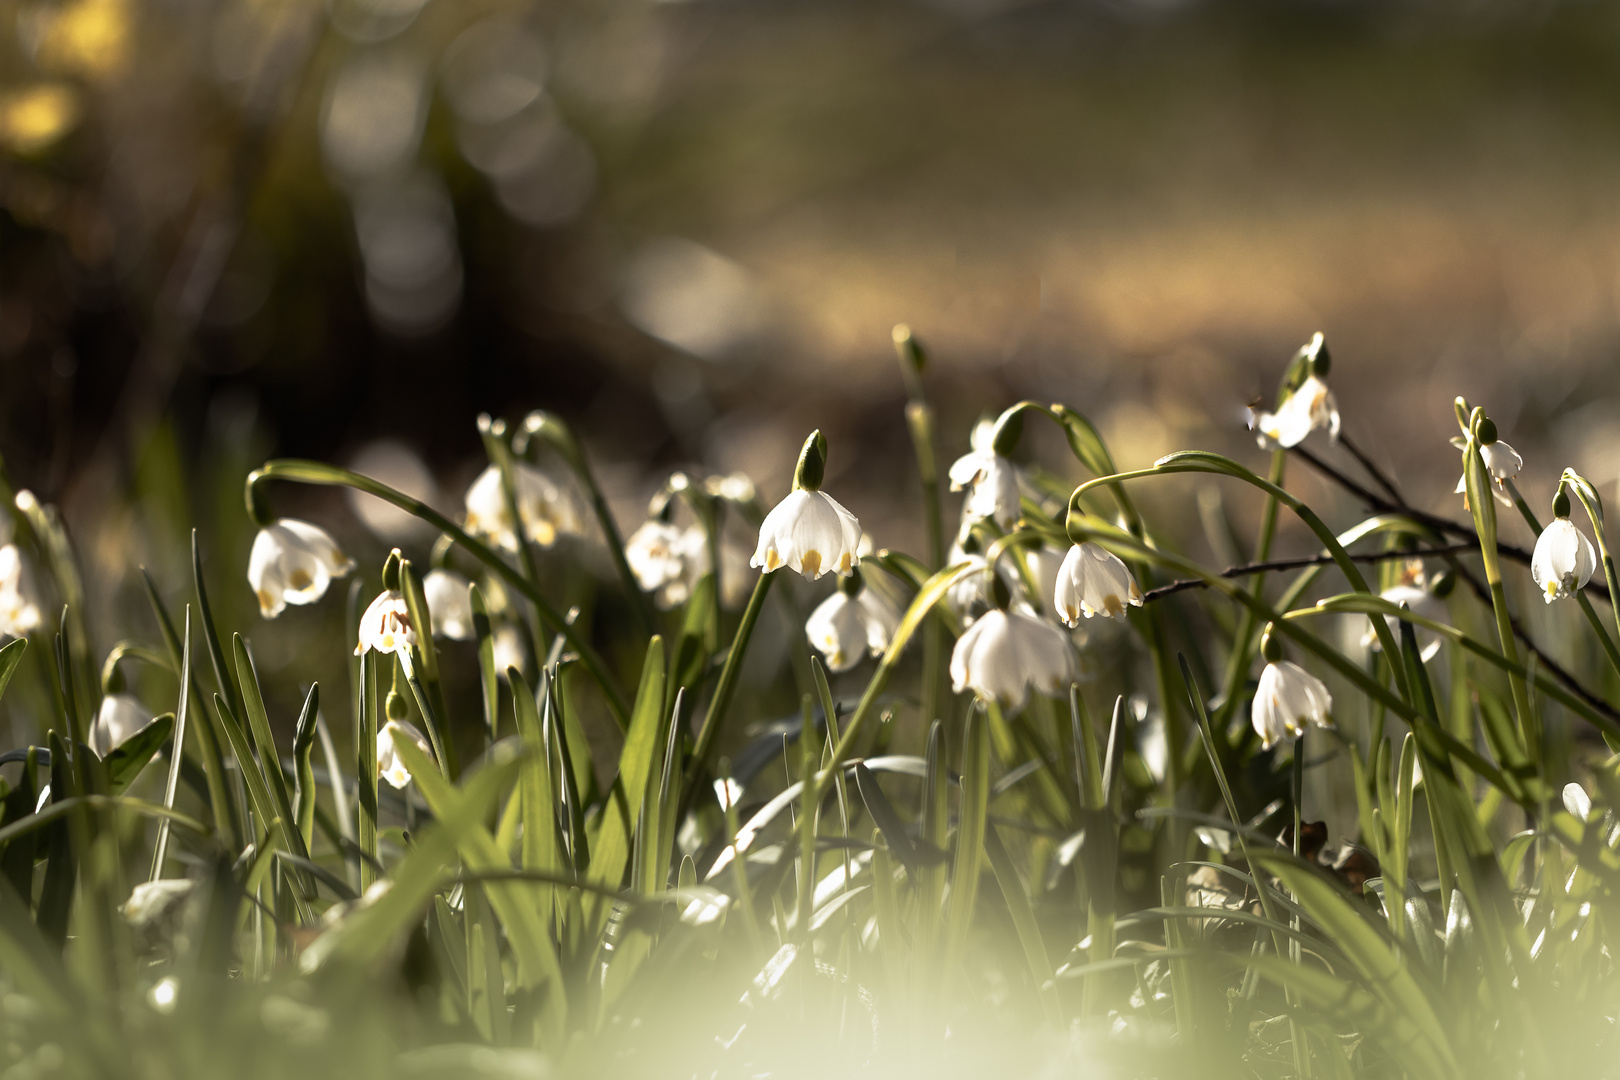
{"points": [[657, 554], [809, 533], [19, 613], [992, 479], [1093, 581], [1004, 653], [119, 717], [1502, 462], [1288, 698], [1563, 560], [508, 645], [389, 765], [546, 509], [1577, 801], [292, 562], [449, 601], [386, 625], [843, 628], [1411, 591], [1310, 407]]}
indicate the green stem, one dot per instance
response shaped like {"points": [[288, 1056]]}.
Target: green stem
{"points": [[727, 686], [920, 423], [1237, 669], [562, 439], [1482, 504], [315, 472]]}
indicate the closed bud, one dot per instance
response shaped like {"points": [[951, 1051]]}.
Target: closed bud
{"points": [[1270, 647], [1009, 429], [1000, 595], [1443, 584], [1486, 431], [812, 465], [1321, 359], [396, 705], [911, 351], [1561, 503], [390, 573]]}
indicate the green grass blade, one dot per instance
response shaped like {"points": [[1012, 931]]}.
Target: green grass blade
{"points": [[970, 830], [10, 656], [1029, 931], [1374, 958], [130, 757], [177, 755]]}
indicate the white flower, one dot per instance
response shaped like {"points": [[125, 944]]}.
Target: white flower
{"points": [[809, 533], [1004, 653], [1563, 560], [1422, 602], [508, 646], [389, 766], [547, 511], [19, 614], [1288, 698], [293, 562], [737, 487], [386, 625], [120, 717], [657, 554], [842, 627], [449, 601], [1306, 409], [1577, 801], [994, 481], [1093, 581], [1502, 462], [969, 594]]}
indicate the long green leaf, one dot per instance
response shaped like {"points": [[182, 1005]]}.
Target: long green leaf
{"points": [[1029, 931], [611, 853], [1374, 958], [525, 930], [970, 830], [10, 656]]}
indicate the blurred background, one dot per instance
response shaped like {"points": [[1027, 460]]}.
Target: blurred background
{"points": [[237, 228]]}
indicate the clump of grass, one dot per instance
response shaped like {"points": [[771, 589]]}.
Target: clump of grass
{"points": [[614, 841]]}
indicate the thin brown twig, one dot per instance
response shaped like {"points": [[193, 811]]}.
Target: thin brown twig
{"points": [[1300, 564], [1439, 524]]}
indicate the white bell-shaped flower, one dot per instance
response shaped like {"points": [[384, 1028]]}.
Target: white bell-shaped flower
{"points": [[1502, 462], [843, 628], [1309, 407], [449, 601], [809, 533], [1005, 653], [1287, 699], [1094, 581], [992, 481], [19, 613], [1563, 560], [1577, 801], [386, 625], [389, 765], [293, 562], [657, 554], [508, 646], [119, 717], [546, 509]]}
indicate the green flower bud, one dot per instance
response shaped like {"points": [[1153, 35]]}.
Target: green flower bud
{"points": [[1270, 646], [1486, 431], [1443, 584], [390, 573], [1000, 596], [1009, 429], [812, 463], [1561, 503], [1321, 359], [396, 705], [851, 585]]}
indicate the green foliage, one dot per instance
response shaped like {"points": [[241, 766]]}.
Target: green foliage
{"points": [[895, 878]]}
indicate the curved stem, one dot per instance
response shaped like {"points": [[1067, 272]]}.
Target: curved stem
{"points": [[1204, 462], [315, 472]]}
